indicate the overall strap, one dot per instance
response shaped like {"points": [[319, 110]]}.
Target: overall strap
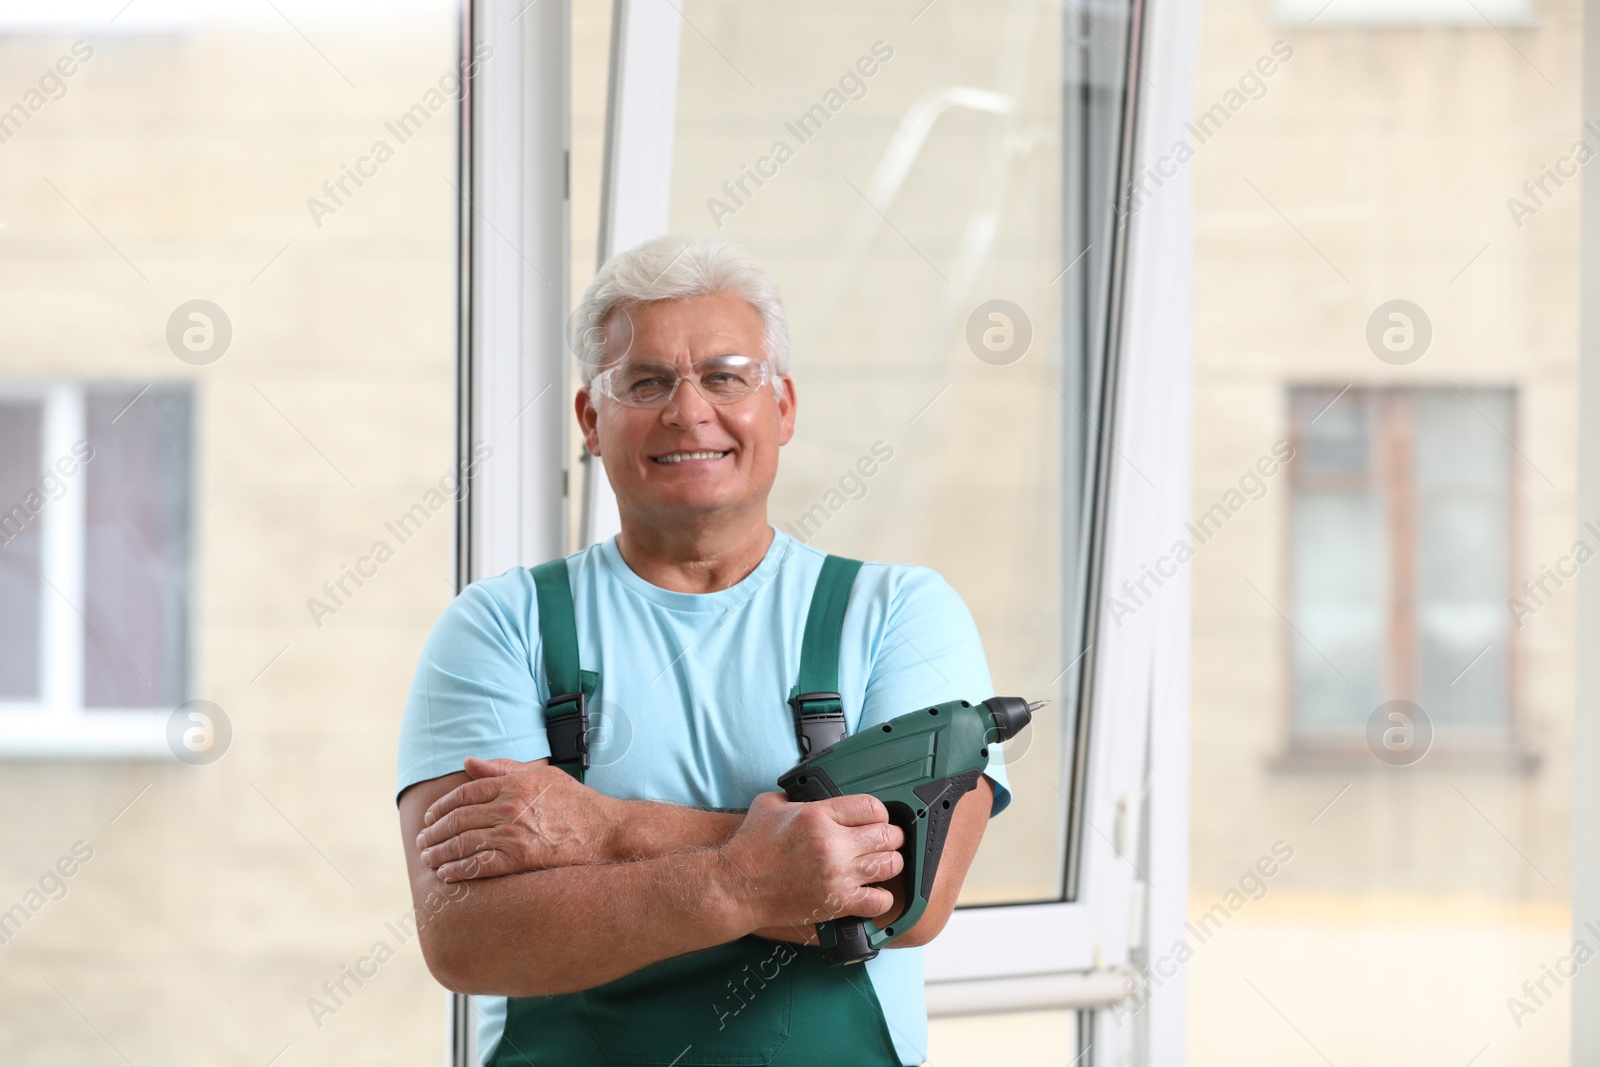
{"points": [[566, 713], [818, 708]]}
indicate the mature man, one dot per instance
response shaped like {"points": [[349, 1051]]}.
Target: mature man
{"points": [[660, 910]]}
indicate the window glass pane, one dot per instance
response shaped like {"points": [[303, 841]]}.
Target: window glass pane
{"points": [[1340, 579], [22, 498], [935, 199], [137, 547], [1340, 563], [1336, 435], [1463, 475]]}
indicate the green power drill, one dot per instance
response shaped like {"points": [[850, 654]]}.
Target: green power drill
{"points": [[919, 765]]}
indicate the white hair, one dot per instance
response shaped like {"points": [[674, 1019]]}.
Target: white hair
{"points": [[678, 267]]}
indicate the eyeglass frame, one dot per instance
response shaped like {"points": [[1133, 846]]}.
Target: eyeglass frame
{"points": [[601, 382]]}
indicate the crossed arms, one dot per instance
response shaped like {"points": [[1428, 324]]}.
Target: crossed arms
{"points": [[568, 888]]}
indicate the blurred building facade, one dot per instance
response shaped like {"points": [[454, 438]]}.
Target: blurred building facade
{"points": [[248, 458], [1386, 275]]}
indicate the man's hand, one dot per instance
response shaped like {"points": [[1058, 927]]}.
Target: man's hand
{"points": [[800, 863], [515, 817], [970, 819]]}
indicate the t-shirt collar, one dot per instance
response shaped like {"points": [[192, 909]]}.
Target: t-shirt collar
{"points": [[781, 549]]}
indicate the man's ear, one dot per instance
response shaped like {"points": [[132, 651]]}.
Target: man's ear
{"points": [[784, 388], [588, 420]]}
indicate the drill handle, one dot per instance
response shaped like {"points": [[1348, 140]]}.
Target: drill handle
{"points": [[852, 939]]}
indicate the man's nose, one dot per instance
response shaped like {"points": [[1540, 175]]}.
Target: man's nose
{"points": [[686, 407]]}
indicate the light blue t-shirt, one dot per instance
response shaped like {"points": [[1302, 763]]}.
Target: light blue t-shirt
{"points": [[691, 707]]}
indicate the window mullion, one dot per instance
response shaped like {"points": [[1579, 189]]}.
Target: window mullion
{"points": [[62, 562]]}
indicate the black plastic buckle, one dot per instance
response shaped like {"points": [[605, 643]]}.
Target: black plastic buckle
{"points": [[569, 734], [817, 730]]}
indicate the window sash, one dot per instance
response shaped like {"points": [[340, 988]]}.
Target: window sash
{"points": [[1035, 937]]}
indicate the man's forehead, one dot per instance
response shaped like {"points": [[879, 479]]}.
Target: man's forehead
{"points": [[712, 311], [682, 330]]}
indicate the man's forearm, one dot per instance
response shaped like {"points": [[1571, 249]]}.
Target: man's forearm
{"points": [[570, 928], [651, 829], [806, 933], [565, 927], [647, 828]]}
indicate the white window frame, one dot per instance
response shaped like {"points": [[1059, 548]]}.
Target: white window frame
{"points": [[512, 386], [57, 724], [1405, 14], [514, 236], [1586, 698]]}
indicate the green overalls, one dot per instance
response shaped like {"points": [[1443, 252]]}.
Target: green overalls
{"points": [[748, 1002]]}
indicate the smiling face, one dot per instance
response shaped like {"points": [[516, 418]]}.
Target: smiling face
{"points": [[688, 458]]}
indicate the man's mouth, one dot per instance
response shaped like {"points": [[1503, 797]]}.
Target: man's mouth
{"points": [[684, 457]]}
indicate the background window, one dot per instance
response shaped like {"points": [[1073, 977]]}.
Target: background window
{"points": [[95, 548], [1400, 540]]}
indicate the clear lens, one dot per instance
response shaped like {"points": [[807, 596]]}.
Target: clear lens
{"points": [[643, 383], [720, 379], [729, 377]]}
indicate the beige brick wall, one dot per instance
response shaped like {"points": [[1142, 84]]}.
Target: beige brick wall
{"points": [[1392, 152], [1419, 902], [224, 897]]}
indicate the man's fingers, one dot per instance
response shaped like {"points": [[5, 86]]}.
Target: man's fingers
{"points": [[471, 817], [879, 837], [461, 846], [869, 903], [480, 791], [490, 864], [880, 866], [856, 809], [492, 768]]}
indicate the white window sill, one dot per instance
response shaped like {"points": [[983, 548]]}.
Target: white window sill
{"points": [[104, 733], [1085, 990], [1397, 14]]}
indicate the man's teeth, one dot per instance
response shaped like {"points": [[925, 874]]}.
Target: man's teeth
{"points": [[677, 457]]}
